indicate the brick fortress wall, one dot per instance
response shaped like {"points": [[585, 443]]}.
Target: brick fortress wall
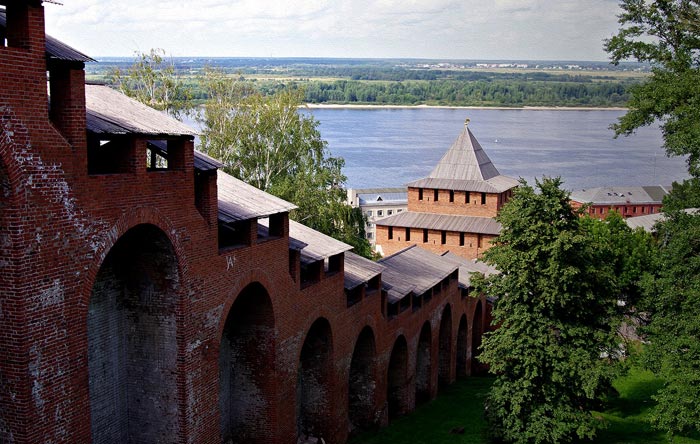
{"points": [[118, 309]]}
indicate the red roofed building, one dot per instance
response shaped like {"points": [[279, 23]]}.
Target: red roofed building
{"points": [[452, 209]]}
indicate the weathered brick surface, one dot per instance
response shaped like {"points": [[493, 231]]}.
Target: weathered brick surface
{"points": [[601, 211], [459, 205], [474, 244], [122, 321]]}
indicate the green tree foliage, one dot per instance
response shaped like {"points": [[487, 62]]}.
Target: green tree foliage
{"points": [[493, 92], [683, 195], [557, 313], [267, 142], [673, 304], [665, 33], [153, 80]]}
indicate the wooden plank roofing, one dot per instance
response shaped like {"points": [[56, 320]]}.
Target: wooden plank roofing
{"points": [[318, 246], [55, 49], [465, 160], [496, 184], [446, 222], [359, 270], [241, 201], [413, 269], [466, 167], [110, 112], [467, 267]]}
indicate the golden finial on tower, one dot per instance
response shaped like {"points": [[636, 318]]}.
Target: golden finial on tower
{"points": [[466, 121]]}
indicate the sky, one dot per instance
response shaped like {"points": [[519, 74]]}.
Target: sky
{"points": [[433, 29]]}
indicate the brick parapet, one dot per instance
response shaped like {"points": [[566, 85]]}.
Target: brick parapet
{"points": [[59, 226]]}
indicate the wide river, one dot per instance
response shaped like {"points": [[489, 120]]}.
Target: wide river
{"points": [[389, 147]]}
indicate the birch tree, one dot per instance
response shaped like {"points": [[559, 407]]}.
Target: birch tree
{"points": [[267, 142]]}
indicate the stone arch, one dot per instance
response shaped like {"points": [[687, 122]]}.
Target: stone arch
{"points": [[477, 335], [362, 383], [423, 364], [247, 367], [397, 379], [314, 382], [461, 360], [132, 340], [445, 347]]}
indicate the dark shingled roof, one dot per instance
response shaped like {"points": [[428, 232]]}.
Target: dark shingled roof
{"points": [[467, 267], [240, 201], [359, 270], [413, 269], [447, 222], [55, 49], [466, 167], [318, 246]]}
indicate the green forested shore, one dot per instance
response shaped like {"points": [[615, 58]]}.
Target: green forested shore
{"points": [[385, 84], [492, 92]]}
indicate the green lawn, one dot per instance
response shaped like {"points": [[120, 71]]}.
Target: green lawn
{"points": [[461, 406]]}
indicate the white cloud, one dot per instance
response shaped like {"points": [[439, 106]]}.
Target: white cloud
{"points": [[522, 29]]}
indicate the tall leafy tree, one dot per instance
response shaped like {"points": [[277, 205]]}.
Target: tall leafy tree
{"points": [[267, 142], [557, 313], [673, 304], [152, 80], [665, 33]]}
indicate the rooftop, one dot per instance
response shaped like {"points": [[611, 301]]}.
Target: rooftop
{"points": [[467, 267], [359, 270], [240, 201], [466, 167], [433, 221], [386, 198], [621, 195], [413, 269], [314, 245], [648, 221], [110, 112]]}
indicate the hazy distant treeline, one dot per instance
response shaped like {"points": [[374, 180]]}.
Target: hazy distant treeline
{"points": [[382, 84], [462, 93]]}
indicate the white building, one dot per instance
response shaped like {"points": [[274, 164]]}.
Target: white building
{"points": [[377, 203]]}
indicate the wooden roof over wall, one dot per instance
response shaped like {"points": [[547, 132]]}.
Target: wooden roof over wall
{"points": [[110, 112], [359, 270], [413, 269], [240, 201], [318, 246]]}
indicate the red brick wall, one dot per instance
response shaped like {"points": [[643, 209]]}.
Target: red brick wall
{"points": [[626, 210], [494, 202], [60, 226], [472, 248]]}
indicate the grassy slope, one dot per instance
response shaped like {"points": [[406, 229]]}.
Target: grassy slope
{"points": [[461, 406]]}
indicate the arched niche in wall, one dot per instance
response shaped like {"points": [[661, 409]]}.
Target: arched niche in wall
{"points": [[132, 344]]}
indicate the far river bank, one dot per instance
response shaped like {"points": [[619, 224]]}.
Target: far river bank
{"points": [[502, 108]]}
